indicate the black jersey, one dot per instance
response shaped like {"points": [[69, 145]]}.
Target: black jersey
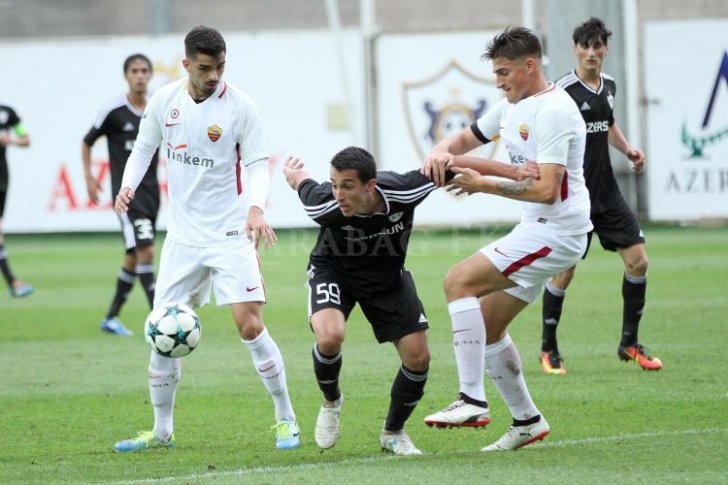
{"points": [[119, 122], [8, 119], [368, 251], [597, 109]]}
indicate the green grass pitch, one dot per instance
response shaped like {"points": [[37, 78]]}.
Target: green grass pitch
{"points": [[68, 391]]}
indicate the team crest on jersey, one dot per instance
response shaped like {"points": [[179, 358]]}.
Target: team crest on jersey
{"points": [[348, 228], [214, 132], [523, 131], [396, 216], [445, 103], [610, 99]]}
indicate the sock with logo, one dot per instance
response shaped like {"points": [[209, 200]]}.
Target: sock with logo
{"points": [[634, 289], [327, 369], [503, 365], [407, 390], [164, 375], [269, 364], [146, 277], [468, 334], [553, 303], [124, 284]]}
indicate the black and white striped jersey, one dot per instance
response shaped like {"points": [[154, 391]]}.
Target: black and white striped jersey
{"points": [[597, 109], [366, 251]]}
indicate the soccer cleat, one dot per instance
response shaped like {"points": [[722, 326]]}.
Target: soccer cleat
{"points": [[288, 435], [114, 325], [144, 440], [20, 289], [519, 436], [327, 429], [551, 362], [459, 414], [399, 443], [640, 355]]}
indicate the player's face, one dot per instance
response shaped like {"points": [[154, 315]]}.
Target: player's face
{"points": [[205, 73], [352, 195], [590, 57], [514, 77], [138, 75]]}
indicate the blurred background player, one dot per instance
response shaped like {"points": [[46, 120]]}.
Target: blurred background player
{"points": [[211, 132], [119, 122], [613, 220], [12, 132]]}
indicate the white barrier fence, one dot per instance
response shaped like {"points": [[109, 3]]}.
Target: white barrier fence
{"points": [[428, 85]]}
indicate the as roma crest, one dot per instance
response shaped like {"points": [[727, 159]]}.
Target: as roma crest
{"points": [[523, 131], [214, 132], [447, 102]]}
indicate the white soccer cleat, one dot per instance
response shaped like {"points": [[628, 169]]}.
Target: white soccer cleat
{"points": [[399, 443], [519, 436], [459, 414], [327, 430]]}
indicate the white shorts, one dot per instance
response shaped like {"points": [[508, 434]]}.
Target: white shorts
{"points": [[187, 273], [530, 254]]}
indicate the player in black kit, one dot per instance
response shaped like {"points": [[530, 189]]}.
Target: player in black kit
{"points": [[119, 122], [366, 221], [614, 223], [12, 132]]}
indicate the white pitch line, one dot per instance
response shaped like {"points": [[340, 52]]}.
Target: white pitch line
{"points": [[381, 458]]}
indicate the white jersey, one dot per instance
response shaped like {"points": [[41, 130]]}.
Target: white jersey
{"points": [[204, 144], [547, 128]]}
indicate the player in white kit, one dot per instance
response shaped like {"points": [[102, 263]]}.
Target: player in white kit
{"points": [[537, 121], [209, 132]]}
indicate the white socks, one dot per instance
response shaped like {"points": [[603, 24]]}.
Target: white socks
{"points": [[468, 339], [164, 374], [268, 362], [503, 365]]}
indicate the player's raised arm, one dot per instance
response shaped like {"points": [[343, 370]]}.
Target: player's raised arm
{"points": [[295, 172]]}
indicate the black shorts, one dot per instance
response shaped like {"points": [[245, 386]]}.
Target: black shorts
{"points": [[137, 229], [617, 227], [3, 197], [392, 313]]}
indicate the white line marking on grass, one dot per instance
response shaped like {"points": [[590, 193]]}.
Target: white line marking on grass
{"points": [[381, 458]]}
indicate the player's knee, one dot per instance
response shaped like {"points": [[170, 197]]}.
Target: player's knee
{"points": [[329, 343], [563, 279], [419, 362], [638, 266], [454, 285]]}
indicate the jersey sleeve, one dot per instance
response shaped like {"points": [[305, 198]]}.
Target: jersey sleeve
{"points": [[99, 128], [487, 127], [251, 138], [554, 130], [145, 146], [318, 199], [409, 188]]}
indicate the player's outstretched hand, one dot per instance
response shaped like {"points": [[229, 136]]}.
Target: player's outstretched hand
{"points": [[123, 199], [258, 229], [294, 171], [466, 181], [637, 157], [528, 170], [436, 164]]}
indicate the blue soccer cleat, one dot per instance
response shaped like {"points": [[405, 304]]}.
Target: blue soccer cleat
{"points": [[20, 289], [114, 325], [143, 441], [288, 435]]}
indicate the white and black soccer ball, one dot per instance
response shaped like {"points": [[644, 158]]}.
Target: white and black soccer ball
{"points": [[173, 330]]}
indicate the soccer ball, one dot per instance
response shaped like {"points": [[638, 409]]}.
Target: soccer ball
{"points": [[173, 331]]}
